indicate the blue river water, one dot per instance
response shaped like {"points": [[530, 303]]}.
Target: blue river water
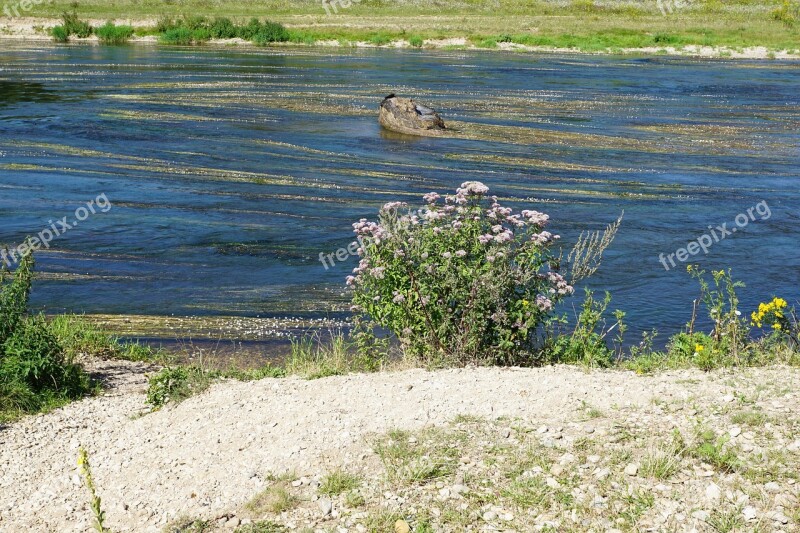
{"points": [[229, 170]]}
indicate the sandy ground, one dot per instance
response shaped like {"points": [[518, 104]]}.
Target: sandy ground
{"points": [[210, 454], [27, 28]]}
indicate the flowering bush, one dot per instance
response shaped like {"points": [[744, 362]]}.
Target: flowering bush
{"points": [[462, 280], [780, 318]]}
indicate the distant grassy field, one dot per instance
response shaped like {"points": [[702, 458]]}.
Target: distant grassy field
{"points": [[590, 25]]}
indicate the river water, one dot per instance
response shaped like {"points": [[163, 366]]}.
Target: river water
{"points": [[229, 170]]}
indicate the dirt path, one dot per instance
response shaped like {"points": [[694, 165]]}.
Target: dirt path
{"points": [[210, 454]]}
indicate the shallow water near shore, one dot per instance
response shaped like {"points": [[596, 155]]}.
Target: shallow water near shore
{"points": [[231, 170]]}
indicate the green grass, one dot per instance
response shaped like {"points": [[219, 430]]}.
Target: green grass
{"points": [[109, 33], [275, 499], [337, 482], [581, 24]]}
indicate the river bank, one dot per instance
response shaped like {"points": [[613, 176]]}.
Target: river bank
{"points": [[702, 31], [517, 449]]}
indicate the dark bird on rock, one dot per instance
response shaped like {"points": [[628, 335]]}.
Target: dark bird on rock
{"points": [[390, 96]]}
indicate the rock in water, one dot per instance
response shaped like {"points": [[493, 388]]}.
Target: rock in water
{"points": [[403, 115]]}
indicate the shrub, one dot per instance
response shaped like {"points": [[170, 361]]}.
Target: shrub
{"points": [[270, 32], [586, 344], [74, 26], [175, 384], [249, 30], [165, 24], [59, 34], [34, 372], [416, 41], [112, 34], [182, 36], [788, 13], [222, 28], [459, 281]]}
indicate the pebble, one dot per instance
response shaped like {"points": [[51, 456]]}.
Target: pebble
{"points": [[401, 526], [701, 515], [325, 505], [488, 516], [772, 488], [778, 517], [749, 513], [632, 469], [713, 492], [735, 431], [594, 459]]}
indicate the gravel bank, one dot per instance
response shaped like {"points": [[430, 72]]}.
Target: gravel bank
{"points": [[209, 455]]}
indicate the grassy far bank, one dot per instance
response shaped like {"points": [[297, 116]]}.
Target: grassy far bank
{"points": [[586, 25]]}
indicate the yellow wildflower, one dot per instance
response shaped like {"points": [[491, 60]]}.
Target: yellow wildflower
{"points": [[699, 348]]}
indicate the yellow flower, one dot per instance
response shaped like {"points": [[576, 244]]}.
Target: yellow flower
{"points": [[525, 303], [776, 326], [699, 347]]}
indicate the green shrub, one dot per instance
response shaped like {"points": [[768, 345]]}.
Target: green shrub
{"points": [[59, 34], [380, 39], [165, 24], [223, 28], [788, 13], [460, 281], [112, 34], [194, 22], [270, 32], [416, 41], [175, 384], [249, 30], [74, 26], [34, 371], [181, 36], [587, 342]]}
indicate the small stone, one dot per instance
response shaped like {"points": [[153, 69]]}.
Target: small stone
{"points": [[297, 483], [459, 489], [589, 430], [542, 429], [506, 433], [713, 492], [728, 398], [701, 515], [594, 459], [444, 493], [401, 526], [552, 483], [749, 513], [488, 516], [557, 470], [632, 469], [778, 517], [325, 505], [772, 488], [735, 431], [506, 517], [602, 473]]}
